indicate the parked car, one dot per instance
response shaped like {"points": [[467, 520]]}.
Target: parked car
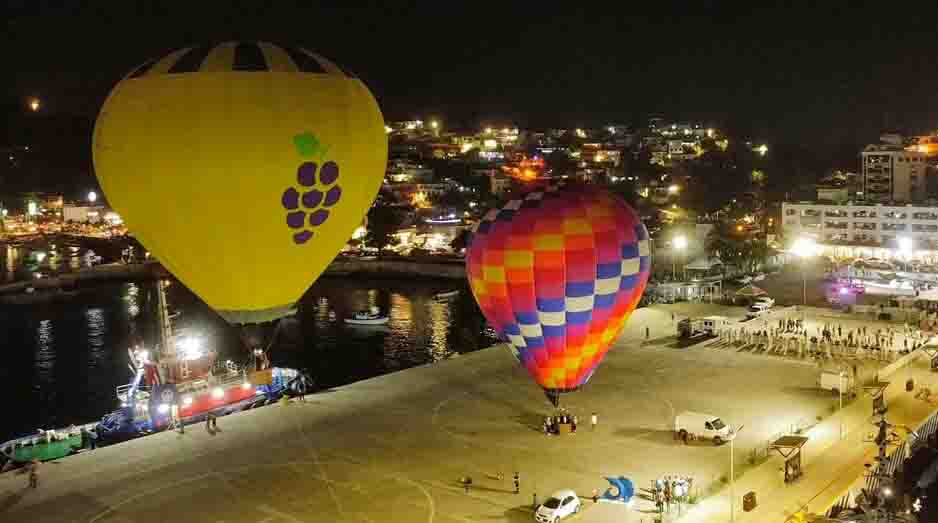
{"points": [[765, 300], [743, 280], [759, 277], [756, 310], [559, 505]]}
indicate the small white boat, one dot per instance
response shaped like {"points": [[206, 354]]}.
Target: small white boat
{"points": [[369, 317], [446, 294]]}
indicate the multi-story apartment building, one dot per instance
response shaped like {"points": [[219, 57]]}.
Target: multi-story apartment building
{"points": [[891, 174], [867, 226]]}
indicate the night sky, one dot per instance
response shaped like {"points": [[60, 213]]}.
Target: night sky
{"points": [[825, 76]]}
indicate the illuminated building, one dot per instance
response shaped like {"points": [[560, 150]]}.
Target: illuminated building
{"points": [[83, 213], [925, 144], [871, 230], [891, 174]]}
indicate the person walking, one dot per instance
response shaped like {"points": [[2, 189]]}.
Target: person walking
{"points": [[93, 438], [647, 333], [467, 482], [517, 480], [211, 423], [34, 474], [593, 420]]}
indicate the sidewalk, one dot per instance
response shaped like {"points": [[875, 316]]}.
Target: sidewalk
{"points": [[830, 466]]}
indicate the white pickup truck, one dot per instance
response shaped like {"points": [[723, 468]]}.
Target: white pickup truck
{"points": [[697, 425]]}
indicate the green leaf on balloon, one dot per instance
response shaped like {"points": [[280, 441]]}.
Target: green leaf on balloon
{"points": [[307, 144]]}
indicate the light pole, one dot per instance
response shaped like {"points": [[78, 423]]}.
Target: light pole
{"points": [[680, 243], [733, 474], [804, 247], [906, 248], [840, 394]]}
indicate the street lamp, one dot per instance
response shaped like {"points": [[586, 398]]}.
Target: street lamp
{"points": [[803, 248], [906, 247], [92, 196], [733, 474], [840, 394], [679, 243]]}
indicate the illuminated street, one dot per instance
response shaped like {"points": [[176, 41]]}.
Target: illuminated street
{"points": [[399, 443]]}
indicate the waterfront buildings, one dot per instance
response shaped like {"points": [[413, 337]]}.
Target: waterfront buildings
{"points": [[864, 229], [891, 173]]}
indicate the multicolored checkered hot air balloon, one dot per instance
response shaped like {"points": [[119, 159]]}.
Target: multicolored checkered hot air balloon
{"points": [[557, 274]]}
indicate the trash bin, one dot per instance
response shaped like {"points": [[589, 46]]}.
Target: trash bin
{"points": [[749, 501], [909, 385]]}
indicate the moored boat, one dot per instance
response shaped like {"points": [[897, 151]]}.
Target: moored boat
{"points": [[372, 316]]}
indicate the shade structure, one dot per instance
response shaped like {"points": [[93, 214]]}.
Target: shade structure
{"points": [[557, 272], [704, 264], [750, 291]]}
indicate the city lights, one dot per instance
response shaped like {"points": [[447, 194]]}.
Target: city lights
{"points": [[34, 104], [92, 196], [218, 393], [906, 245], [804, 247], [190, 347]]}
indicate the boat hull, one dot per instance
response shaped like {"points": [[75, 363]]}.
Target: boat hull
{"points": [[376, 321]]}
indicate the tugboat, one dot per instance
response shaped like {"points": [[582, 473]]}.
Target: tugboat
{"points": [[373, 316], [181, 385]]}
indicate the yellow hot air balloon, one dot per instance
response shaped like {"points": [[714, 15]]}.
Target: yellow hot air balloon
{"points": [[244, 167]]}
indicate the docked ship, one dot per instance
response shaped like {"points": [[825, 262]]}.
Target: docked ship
{"points": [[179, 383]]}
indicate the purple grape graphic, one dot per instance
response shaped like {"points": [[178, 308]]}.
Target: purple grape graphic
{"points": [[329, 173], [295, 219], [317, 218], [333, 196], [306, 174], [325, 193], [312, 198], [290, 199], [302, 237]]}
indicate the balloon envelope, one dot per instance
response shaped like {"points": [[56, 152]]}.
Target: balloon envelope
{"points": [[557, 274], [243, 167]]}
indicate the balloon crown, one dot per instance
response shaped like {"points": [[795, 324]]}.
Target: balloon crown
{"points": [[307, 144]]}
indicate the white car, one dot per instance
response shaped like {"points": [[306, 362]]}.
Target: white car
{"points": [[758, 309], [744, 280], [558, 506], [765, 300]]}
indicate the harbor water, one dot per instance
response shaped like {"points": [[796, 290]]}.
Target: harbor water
{"points": [[65, 358]]}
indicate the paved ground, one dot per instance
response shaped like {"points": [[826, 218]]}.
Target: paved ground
{"points": [[393, 448]]}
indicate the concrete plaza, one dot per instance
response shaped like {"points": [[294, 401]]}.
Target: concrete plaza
{"points": [[394, 448]]}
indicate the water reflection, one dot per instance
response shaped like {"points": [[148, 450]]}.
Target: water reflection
{"points": [[45, 353], [23, 262], [73, 354]]}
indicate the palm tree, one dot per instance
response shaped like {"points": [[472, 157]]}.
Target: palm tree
{"points": [[722, 244]]}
